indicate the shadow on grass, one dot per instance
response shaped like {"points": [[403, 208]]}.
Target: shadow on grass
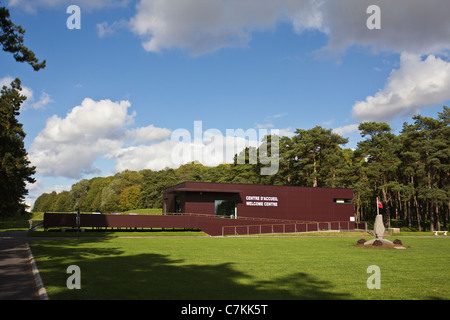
{"points": [[108, 273]]}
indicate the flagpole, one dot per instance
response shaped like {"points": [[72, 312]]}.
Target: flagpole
{"points": [[378, 208]]}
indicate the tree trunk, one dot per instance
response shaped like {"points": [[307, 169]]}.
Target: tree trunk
{"points": [[431, 215], [388, 212], [444, 216], [430, 205], [408, 213], [416, 205], [315, 173], [358, 216], [397, 206], [437, 218]]}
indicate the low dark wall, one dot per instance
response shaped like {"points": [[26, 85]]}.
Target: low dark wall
{"points": [[116, 221], [208, 224]]}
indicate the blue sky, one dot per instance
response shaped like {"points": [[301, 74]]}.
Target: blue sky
{"points": [[115, 90]]}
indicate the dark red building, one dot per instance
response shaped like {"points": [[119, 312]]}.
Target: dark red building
{"points": [[260, 201]]}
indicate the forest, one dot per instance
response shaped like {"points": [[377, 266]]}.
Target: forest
{"points": [[408, 172]]}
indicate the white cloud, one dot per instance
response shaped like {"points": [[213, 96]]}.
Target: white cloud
{"points": [[92, 119], [156, 156], [268, 121], [105, 29], [287, 132], [264, 125], [415, 26], [43, 101], [203, 26], [38, 188], [328, 122], [28, 92], [210, 148], [69, 146], [344, 130], [416, 84], [148, 133]]}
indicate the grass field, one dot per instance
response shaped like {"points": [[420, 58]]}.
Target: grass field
{"points": [[243, 268]]}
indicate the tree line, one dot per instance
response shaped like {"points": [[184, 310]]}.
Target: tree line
{"points": [[408, 172]]}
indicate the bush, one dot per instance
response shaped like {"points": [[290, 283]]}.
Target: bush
{"points": [[377, 243], [361, 241]]}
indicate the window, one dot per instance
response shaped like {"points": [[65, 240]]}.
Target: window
{"points": [[178, 208], [225, 208], [343, 201]]}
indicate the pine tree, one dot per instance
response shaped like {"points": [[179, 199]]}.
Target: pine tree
{"points": [[431, 141], [316, 154], [11, 39], [15, 169], [380, 153]]}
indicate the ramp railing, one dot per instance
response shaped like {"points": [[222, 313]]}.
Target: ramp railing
{"points": [[297, 227]]}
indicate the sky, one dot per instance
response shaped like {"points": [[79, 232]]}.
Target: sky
{"points": [[127, 81]]}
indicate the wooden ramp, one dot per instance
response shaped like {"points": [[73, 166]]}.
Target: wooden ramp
{"points": [[214, 226]]}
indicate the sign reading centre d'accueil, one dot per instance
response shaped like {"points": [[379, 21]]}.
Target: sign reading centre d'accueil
{"points": [[261, 201]]}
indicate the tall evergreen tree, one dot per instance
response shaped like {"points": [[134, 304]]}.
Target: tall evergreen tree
{"points": [[380, 154], [429, 152], [15, 169], [316, 154]]}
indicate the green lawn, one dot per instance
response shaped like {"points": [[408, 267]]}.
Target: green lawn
{"points": [[243, 268]]}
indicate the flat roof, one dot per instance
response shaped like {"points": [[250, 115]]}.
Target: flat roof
{"points": [[203, 190], [212, 189]]}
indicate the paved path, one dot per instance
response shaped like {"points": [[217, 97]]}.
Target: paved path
{"points": [[17, 281]]}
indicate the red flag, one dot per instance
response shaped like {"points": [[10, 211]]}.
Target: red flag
{"points": [[380, 205]]}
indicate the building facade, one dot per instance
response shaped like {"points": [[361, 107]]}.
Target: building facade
{"points": [[260, 201], [221, 209]]}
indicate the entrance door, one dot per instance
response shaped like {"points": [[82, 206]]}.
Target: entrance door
{"points": [[178, 208], [225, 209]]}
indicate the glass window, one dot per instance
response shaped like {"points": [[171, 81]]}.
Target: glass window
{"points": [[225, 208], [177, 205], [346, 201]]}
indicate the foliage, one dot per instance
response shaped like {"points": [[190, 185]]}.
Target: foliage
{"points": [[15, 169], [129, 198], [11, 39]]}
